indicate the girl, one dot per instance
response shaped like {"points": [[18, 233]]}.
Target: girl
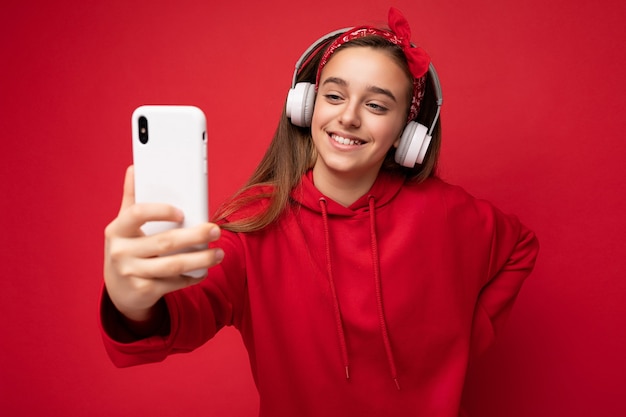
{"points": [[360, 287]]}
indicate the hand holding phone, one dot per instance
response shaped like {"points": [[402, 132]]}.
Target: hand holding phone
{"points": [[136, 272]]}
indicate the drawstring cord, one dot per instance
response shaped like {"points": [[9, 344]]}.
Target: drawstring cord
{"points": [[379, 294], [338, 321]]}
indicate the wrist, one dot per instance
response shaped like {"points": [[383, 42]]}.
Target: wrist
{"points": [[148, 322]]}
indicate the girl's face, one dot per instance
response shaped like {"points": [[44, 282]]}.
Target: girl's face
{"points": [[361, 108]]}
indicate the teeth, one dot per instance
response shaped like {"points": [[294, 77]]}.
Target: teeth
{"points": [[346, 141]]}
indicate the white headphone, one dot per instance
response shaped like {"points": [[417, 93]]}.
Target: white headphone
{"points": [[415, 137]]}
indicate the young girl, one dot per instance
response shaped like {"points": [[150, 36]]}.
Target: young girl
{"points": [[361, 287]]}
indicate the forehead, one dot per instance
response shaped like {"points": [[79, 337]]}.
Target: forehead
{"points": [[366, 66]]}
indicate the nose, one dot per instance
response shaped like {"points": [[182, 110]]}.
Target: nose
{"points": [[349, 115]]}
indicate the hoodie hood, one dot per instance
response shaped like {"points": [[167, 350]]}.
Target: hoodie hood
{"points": [[384, 189]]}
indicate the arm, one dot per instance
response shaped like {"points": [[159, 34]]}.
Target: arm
{"points": [[514, 250], [136, 275]]}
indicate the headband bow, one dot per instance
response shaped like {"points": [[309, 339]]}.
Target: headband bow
{"points": [[400, 35], [417, 58]]}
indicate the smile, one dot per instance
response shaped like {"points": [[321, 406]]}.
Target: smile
{"points": [[345, 141]]}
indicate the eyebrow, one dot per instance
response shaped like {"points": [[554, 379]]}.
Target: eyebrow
{"points": [[372, 88]]}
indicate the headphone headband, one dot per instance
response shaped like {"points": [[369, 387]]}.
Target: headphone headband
{"points": [[307, 54]]}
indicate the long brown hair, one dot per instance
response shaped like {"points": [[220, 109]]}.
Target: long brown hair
{"points": [[292, 153]]}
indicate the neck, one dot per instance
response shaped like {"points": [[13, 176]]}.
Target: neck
{"points": [[343, 188]]}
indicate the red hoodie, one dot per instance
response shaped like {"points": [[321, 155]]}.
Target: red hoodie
{"points": [[369, 310]]}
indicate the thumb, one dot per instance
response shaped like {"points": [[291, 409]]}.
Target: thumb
{"points": [[128, 198]]}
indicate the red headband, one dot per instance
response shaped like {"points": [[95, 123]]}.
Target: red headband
{"points": [[400, 34]]}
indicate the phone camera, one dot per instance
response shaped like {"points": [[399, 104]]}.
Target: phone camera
{"points": [[143, 129]]}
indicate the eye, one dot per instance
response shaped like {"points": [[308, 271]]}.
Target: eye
{"points": [[377, 107], [333, 97]]}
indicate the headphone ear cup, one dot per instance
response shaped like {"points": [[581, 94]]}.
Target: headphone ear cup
{"points": [[413, 145], [300, 102]]}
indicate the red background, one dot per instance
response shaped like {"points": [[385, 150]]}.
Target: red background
{"points": [[533, 120]]}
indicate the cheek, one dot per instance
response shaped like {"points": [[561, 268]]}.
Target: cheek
{"points": [[389, 131], [319, 113], [317, 123]]}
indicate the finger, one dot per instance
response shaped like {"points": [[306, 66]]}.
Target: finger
{"points": [[175, 240], [171, 284], [130, 220], [128, 196], [171, 267]]}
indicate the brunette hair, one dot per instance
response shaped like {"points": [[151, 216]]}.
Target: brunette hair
{"points": [[292, 152]]}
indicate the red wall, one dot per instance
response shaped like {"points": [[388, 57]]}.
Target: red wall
{"points": [[533, 120]]}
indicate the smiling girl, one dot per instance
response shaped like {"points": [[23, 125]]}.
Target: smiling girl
{"points": [[361, 287]]}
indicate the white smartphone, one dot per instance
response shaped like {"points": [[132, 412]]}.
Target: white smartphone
{"points": [[170, 159]]}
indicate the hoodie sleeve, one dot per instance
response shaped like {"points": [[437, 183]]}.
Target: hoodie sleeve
{"points": [[512, 257], [195, 313]]}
